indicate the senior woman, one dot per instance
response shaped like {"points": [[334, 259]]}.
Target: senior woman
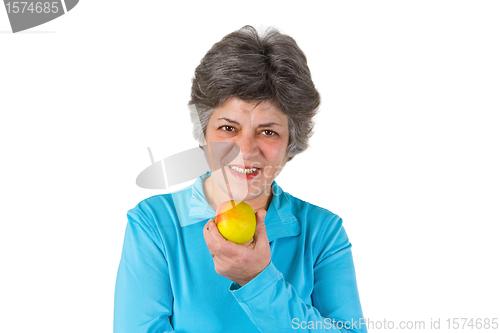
{"points": [[253, 100]]}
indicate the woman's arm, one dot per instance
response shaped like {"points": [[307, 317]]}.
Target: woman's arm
{"points": [[143, 296], [274, 306]]}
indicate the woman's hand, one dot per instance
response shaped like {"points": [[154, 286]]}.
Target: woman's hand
{"points": [[239, 263]]}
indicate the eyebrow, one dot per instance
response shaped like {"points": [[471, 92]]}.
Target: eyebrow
{"points": [[261, 125]]}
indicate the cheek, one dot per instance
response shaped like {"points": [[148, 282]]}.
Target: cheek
{"points": [[276, 154], [210, 135]]}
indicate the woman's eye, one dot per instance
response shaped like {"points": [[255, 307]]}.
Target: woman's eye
{"points": [[268, 132], [228, 128]]}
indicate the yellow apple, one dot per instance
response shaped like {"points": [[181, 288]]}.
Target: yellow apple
{"points": [[236, 221]]}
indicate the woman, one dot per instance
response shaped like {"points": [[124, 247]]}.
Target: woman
{"points": [[252, 104]]}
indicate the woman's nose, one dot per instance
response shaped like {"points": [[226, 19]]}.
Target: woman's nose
{"points": [[248, 146]]}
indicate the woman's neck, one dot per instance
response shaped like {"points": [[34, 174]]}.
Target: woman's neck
{"points": [[215, 196]]}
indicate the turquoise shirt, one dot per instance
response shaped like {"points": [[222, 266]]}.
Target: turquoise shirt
{"points": [[166, 280]]}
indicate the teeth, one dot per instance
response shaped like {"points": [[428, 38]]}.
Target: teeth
{"points": [[245, 171]]}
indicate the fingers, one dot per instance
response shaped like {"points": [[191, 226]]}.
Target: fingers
{"points": [[260, 228], [248, 243], [217, 244], [212, 232], [261, 215], [208, 234], [221, 247]]}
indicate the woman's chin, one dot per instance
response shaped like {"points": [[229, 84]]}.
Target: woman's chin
{"points": [[250, 193], [244, 190]]}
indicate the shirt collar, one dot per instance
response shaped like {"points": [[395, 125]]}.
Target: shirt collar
{"points": [[280, 221]]}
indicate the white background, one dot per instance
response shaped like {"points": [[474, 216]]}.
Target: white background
{"points": [[406, 147]]}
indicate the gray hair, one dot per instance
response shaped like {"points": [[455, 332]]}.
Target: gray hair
{"points": [[256, 68]]}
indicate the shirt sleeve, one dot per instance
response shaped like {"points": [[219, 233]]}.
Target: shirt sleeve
{"points": [[273, 305], [143, 295]]}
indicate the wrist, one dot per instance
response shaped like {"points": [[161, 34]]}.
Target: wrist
{"points": [[242, 282]]}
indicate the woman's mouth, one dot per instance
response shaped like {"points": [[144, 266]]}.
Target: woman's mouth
{"points": [[244, 173]]}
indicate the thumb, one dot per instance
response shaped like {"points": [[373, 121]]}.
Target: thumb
{"points": [[260, 228]]}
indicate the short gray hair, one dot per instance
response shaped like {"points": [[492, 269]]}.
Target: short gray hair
{"points": [[256, 68]]}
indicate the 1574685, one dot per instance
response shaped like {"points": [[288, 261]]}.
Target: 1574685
{"points": [[472, 323], [31, 7]]}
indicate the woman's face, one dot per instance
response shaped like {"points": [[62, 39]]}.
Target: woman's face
{"points": [[249, 143]]}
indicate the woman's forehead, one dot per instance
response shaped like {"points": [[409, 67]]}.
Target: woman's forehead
{"points": [[237, 108]]}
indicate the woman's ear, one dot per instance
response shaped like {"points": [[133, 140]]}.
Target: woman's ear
{"points": [[203, 143]]}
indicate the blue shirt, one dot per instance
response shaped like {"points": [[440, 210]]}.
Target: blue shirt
{"points": [[166, 280]]}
